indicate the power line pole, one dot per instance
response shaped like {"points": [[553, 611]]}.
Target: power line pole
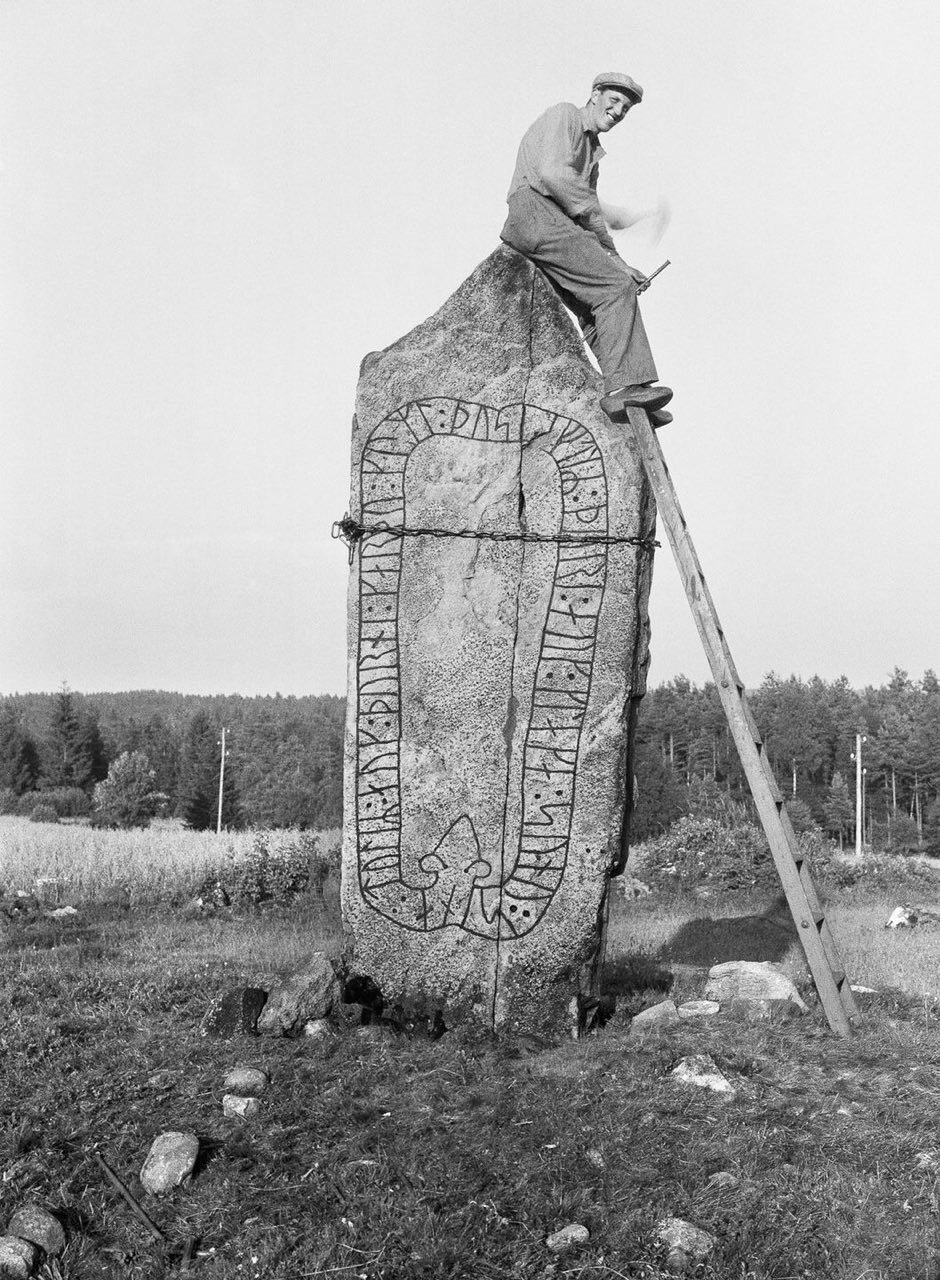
{"points": [[218, 825], [859, 809]]}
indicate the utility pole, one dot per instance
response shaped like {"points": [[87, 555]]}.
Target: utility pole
{"points": [[218, 825], [859, 810]]}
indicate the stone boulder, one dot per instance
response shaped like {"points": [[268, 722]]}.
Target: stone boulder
{"points": [[497, 631], [34, 1223], [236, 1012], [659, 1017], [170, 1161], [750, 980], [17, 1257], [309, 992]]}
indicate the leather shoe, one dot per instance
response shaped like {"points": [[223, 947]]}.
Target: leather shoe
{"points": [[637, 397]]}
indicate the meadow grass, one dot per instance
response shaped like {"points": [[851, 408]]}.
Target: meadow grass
{"points": [[398, 1158], [74, 862]]}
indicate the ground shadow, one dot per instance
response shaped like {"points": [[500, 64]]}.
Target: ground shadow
{"points": [[703, 942]]}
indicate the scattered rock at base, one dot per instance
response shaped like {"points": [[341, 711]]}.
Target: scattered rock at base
{"points": [[700, 1070], [722, 1181], [17, 1257], [37, 1225], [901, 918], [567, 1237], [595, 1158], [234, 1013], [698, 1009], [247, 1081], [657, 1018], [750, 980], [861, 990], [236, 1107], [62, 913], [686, 1244], [308, 993], [318, 1029], [169, 1162]]}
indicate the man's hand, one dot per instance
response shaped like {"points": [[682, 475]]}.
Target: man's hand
{"points": [[618, 217], [633, 272]]}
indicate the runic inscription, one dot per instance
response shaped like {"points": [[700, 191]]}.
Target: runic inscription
{"points": [[462, 892]]}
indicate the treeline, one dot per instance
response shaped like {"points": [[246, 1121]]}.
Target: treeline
{"points": [[285, 755], [283, 768], [809, 728]]}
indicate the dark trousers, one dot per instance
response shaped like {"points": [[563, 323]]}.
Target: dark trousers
{"points": [[595, 285]]}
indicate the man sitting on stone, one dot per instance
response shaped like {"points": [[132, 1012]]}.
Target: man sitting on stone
{"points": [[555, 219]]}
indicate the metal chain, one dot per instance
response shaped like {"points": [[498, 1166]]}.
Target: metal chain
{"points": [[351, 532]]}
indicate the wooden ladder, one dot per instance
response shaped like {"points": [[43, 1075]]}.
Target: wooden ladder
{"points": [[832, 985]]}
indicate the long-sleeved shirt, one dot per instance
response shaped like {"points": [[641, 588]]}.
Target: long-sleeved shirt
{"points": [[559, 157]]}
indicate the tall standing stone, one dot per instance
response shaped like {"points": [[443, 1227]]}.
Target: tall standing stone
{"points": [[497, 646]]}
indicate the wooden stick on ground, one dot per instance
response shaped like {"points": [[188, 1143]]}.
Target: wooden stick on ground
{"points": [[138, 1211]]}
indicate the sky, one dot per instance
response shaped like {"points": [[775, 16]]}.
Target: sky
{"points": [[210, 210]]}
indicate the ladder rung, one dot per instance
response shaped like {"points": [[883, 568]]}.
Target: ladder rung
{"points": [[822, 957]]}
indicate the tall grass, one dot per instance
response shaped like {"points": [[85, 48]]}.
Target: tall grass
{"points": [[75, 862]]}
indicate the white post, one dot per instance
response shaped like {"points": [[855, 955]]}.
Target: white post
{"points": [[218, 825], [859, 814]]}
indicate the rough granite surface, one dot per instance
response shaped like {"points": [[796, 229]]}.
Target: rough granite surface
{"points": [[492, 683]]}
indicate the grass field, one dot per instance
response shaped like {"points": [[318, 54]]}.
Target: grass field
{"points": [[386, 1158]]}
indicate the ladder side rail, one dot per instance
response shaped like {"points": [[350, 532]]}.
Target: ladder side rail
{"points": [[815, 936]]}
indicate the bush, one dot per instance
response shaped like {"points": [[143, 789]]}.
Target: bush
{"points": [[705, 850], [9, 800], [881, 873], [898, 835], [128, 797], [68, 802], [43, 813], [278, 868]]}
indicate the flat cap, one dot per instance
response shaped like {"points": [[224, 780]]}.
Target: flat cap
{"points": [[617, 80]]}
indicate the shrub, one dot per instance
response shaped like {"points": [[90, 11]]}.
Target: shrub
{"points": [[898, 835], [880, 873], [128, 796], [43, 813], [698, 850], [9, 800], [278, 868], [68, 802]]}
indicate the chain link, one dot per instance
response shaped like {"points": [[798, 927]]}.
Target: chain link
{"points": [[351, 532]]}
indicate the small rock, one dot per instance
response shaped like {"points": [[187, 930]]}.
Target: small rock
{"points": [[863, 991], [318, 1029], [722, 1181], [234, 1013], [698, 1009], [62, 913], [658, 1018], [686, 1244], [37, 1225], [633, 888], [169, 1162], [701, 1071], [17, 1257], [750, 980], [307, 993], [245, 1080], [236, 1107], [901, 918], [595, 1158], [567, 1237]]}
